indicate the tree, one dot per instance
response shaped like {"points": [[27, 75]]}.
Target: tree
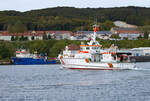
{"points": [[18, 27], [32, 38], [21, 38], [145, 30], [146, 35], [16, 38], [116, 36], [10, 29], [37, 45], [6, 50], [109, 24], [132, 19], [25, 38], [147, 22], [12, 38], [57, 48], [45, 36], [49, 37], [125, 38], [140, 37]]}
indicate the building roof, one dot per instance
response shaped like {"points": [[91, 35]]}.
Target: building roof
{"points": [[141, 48], [39, 33], [126, 29], [128, 32], [33, 33], [58, 32]]}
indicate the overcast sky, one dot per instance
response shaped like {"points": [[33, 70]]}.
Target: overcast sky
{"points": [[25, 5]]}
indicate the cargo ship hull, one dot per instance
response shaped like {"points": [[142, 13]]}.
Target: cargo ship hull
{"points": [[31, 61]]}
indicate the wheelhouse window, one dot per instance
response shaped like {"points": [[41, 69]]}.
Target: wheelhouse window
{"points": [[81, 48], [87, 48], [97, 47], [94, 48]]}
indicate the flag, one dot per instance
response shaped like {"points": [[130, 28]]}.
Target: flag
{"points": [[95, 29]]}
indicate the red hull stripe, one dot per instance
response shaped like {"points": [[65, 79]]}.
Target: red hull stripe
{"points": [[90, 69], [94, 68]]}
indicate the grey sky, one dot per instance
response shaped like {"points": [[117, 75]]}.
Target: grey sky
{"points": [[24, 5]]}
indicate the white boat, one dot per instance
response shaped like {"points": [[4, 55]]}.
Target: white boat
{"points": [[92, 57]]}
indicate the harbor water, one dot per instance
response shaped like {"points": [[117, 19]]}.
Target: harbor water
{"points": [[52, 83]]}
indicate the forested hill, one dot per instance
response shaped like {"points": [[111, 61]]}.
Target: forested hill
{"points": [[69, 18], [102, 14]]}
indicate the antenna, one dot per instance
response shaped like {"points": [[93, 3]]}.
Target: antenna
{"points": [[95, 20], [93, 36], [95, 23]]}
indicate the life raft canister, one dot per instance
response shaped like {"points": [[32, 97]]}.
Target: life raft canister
{"points": [[110, 65], [61, 57], [87, 60]]}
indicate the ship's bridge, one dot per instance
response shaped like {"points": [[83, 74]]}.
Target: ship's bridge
{"points": [[89, 48]]}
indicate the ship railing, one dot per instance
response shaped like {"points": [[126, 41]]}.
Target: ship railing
{"points": [[126, 65]]}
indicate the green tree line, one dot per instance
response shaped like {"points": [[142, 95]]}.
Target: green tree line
{"points": [[53, 47]]}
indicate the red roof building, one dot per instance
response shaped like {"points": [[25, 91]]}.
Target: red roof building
{"points": [[130, 33], [4, 35]]}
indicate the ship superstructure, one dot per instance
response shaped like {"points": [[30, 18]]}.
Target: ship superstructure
{"points": [[23, 57]]}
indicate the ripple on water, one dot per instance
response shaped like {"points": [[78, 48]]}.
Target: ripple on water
{"points": [[50, 83]]}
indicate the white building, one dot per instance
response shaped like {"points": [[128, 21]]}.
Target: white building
{"points": [[141, 51], [38, 35], [99, 34], [130, 33]]}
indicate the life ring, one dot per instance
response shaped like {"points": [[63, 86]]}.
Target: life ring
{"points": [[87, 60], [110, 65], [61, 57]]}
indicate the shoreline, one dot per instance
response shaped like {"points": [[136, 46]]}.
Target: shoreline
{"points": [[5, 63]]}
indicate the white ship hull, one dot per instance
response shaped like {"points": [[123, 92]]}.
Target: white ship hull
{"points": [[73, 63]]}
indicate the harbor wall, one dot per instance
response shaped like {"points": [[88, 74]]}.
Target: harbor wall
{"points": [[140, 58]]}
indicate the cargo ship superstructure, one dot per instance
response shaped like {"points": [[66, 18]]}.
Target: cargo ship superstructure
{"points": [[23, 57]]}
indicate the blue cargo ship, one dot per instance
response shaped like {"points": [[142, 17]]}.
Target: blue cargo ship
{"points": [[23, 57]]}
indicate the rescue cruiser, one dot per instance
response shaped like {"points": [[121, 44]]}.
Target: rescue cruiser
{"points": [[92, 57]]}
